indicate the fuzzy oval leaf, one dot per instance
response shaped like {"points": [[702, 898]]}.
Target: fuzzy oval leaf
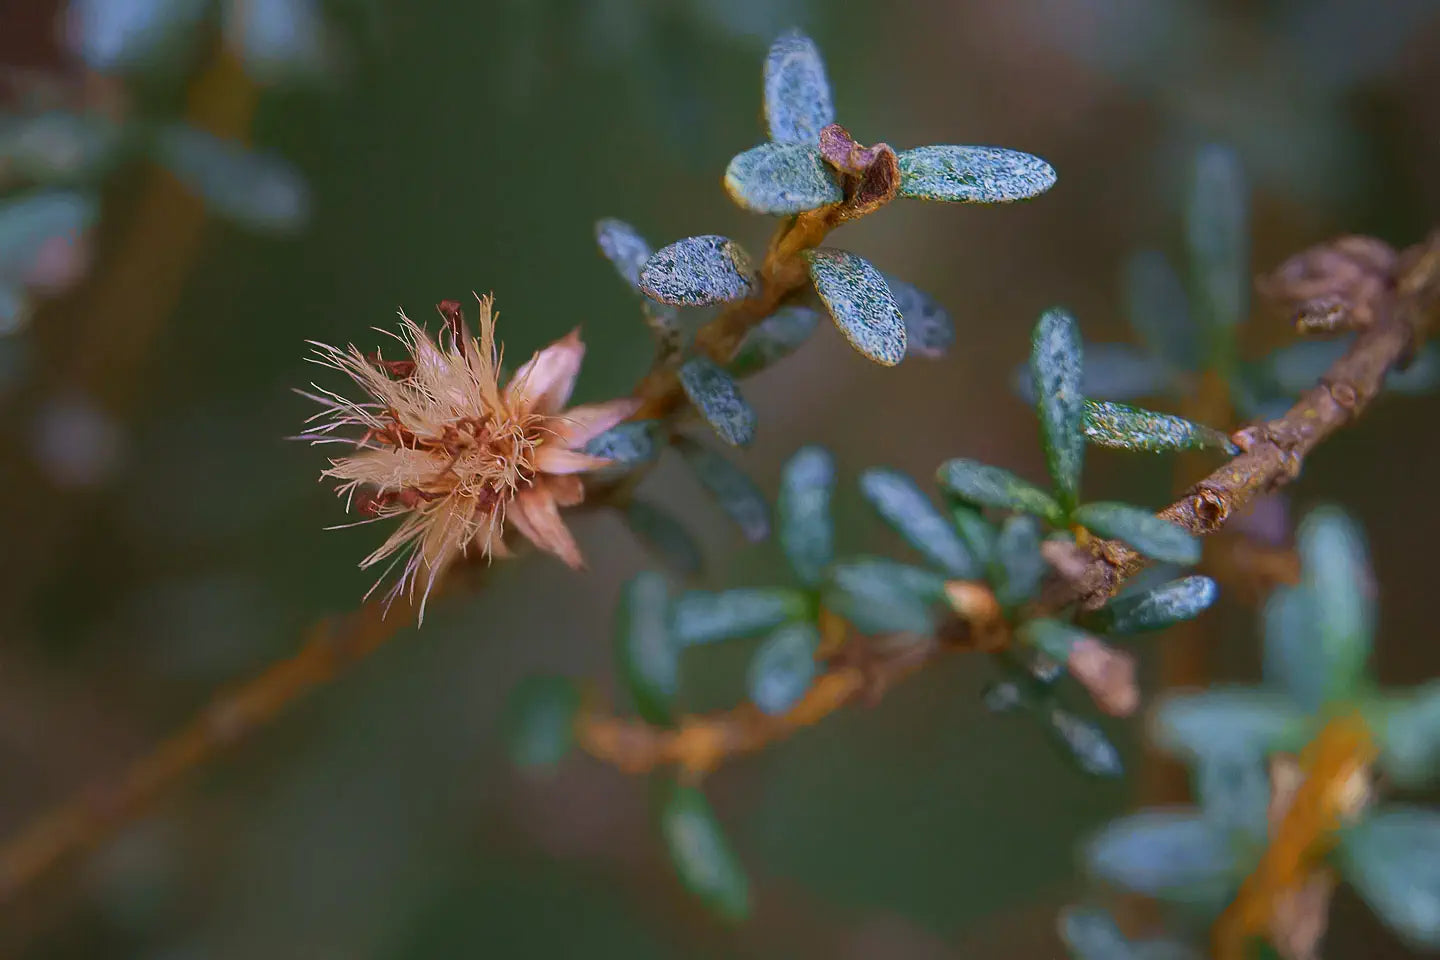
{"points": [[1083, 743], [1225, 721], [664, 537], [781, 179], [736, 493], [626, 445], [702, 856], [1156, 608], [772, 339], [697, 271], [14, 314], [704, 616], [1113, 371], [1158, 310], [1146, 533], [985, 486], [1392, 858], [278, 40], [906, 508], [717, 396], [58, 146], [122, 34], [1053, 638], [1018, 566], [32, 222], [798, 102], [929, 331], [972, 174], [1056, 363], [807, 532], [1172, 855], [260, 191], [645, 653], [881, 596], [978, 533], [783, 668], [540, 721], [1336, 573], [1123, 427], [1291, 657], [1409, 735], [1217, 235], [860, 303], [624, 247], [1234, 791]]}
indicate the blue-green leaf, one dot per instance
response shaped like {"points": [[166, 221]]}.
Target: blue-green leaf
{"points": [[626, 445], [781, 179], [1055, 367], [58, 146], [279, 40], [973, 174], [1053, 638], [1409, 733], [1234, 791], [1146, 533], [881, 596], [717, 396], [1083, 743], [664, 536], [860, 303], [1018, 566], [783, 668], [1091, 934], [122, 34], [1113, 371], [1158, 310], [736, 493], [1336, 574], [1392, 858], [697, 271], [1217, 235], [1291, 656], [978, 533], [1172, 855], [31, 221], [1228, 721], [798, 103], [646, 655], [929, 331], [540, 721], [1123, 427], [624, 247], [909, 511], [985, 486], [704, 616], [14, 314], [1156, 608], [256, 190], [772, 339], [807, 532], [701, 854]]}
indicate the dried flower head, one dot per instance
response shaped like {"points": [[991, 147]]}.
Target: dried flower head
{"points": [[442, 446]]}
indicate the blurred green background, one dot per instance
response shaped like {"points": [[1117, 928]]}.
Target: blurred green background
{"points": [[162, 538]]}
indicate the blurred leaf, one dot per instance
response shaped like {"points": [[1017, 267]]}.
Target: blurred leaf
{"points": [[1234, 791], [704, 616], [540, 721], [697, 271], [257, 190], [626, 445], [1336, 575], [647, 657], [860, 303], [781, 179], [58, 146], [1173, 855], [701, 854], [1409, 736], [1123, 427], [807, 532], [1158, 310], [1146, 533], [1091, 934], [798, 103], [775, 337], [972, 174], [29, 222], [978, 533], [1228, 721], [624, 247], [122, 34], [1217, 234], [716, 396], [1113, 371], [664, 536], [929, 331], [1018, 564], [1051, 637], [1392, 858], [1423, 374], [732, 489], [1084, 743], [903, 506], [14, 313], [278, 40], [1055, 367], [986, 486], [1289, 656], [783, 668], [1156, 608], [882, 596], [1296, 367]]}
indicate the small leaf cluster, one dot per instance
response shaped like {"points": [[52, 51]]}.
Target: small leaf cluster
{"points": [[1317, 645]]}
